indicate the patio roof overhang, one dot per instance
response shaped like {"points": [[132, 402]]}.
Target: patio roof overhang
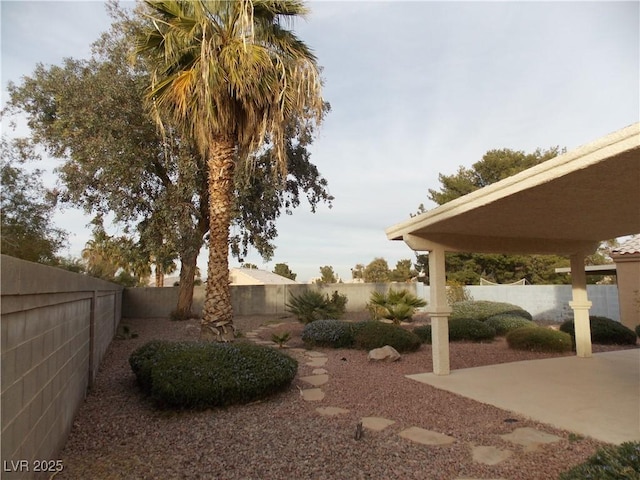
{"points": [[562, 206]]}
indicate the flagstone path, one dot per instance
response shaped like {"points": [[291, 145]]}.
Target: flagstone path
{"points": [[529, 438]]}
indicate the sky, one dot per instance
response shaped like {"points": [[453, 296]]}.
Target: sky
{"points": [[417, 89]]}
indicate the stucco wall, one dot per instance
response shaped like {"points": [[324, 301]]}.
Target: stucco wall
{"points": [[56, 327], [551, 302]]}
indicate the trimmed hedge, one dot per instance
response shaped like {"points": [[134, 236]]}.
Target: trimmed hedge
{"points": [[424, 333], [609, 463], [468, 329], [506, 322], [201, 375], [481, 310], [374, 334], [539, 339], [328, 333], [604, 331]]}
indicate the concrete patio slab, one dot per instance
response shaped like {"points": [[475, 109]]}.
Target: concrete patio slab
{"points": [[598, 396]]}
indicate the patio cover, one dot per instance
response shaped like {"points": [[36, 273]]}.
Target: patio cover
{"points": [[565, 206]]}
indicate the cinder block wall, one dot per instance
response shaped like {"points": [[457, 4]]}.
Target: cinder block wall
{"points": [[56, 327]]}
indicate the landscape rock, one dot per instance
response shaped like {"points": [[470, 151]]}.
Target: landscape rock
{"points": [[386, 353]]}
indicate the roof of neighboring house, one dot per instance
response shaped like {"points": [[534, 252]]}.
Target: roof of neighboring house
{"points": [[629, 247], [254, 276]]}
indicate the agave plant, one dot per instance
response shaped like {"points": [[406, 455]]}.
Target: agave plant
{"points": [[396, 305]]}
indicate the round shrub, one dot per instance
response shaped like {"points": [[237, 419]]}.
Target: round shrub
{"points": [[328, 333], [201, 375], [467, 329], [611, 462], [539, 339], [506, 322], [143, 359], [638, 330], [604, 331], [482, 309], [374, 334], [424, 333]]}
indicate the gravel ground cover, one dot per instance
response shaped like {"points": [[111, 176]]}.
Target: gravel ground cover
{"points": [[118, 434]]}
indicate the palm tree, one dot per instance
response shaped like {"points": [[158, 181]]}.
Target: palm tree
{"points": [[228, 74]]}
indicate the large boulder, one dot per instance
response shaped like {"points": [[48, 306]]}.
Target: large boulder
{"points": [[386, 353]]}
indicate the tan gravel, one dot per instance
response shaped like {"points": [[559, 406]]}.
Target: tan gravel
{"points": [[118, 434]]}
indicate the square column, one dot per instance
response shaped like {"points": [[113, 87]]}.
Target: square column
{"points": [[439, 312], [580, 306]]}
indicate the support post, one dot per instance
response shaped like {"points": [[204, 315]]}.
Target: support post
{"points": [[439, 312], [580, 305]]}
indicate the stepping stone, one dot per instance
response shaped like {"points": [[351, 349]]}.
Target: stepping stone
{"points": [[490, 455], [264, 342], [319, 371], [530, 438], [251, 334], [317, 362], [376, 423], [331, 411], [313, 354], [426, 437], [316, 380], [312, 394], [299, 350]]}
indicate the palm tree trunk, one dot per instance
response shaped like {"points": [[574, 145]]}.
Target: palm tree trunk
{"points": [[217, 314]]}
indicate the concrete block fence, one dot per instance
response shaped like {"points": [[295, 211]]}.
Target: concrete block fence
{"points": [[56, 327]]}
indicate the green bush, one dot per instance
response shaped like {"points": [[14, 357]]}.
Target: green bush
{"points": [[620, 462], [311, 305], [638, 330], [506, 322], [539, 339], [201, 375], [143, 359], [424, 333], [467, 329], [328, 333], [481, 310], [374, 334], [604, 331], [396, 305]]}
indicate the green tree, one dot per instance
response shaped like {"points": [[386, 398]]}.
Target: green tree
{"points": [[327, 275], [27, 230], [228, 75], [377, 271], [495, 165], [403, 271], [283, 270], [357, 272], [468, 268], [90, 114]]}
